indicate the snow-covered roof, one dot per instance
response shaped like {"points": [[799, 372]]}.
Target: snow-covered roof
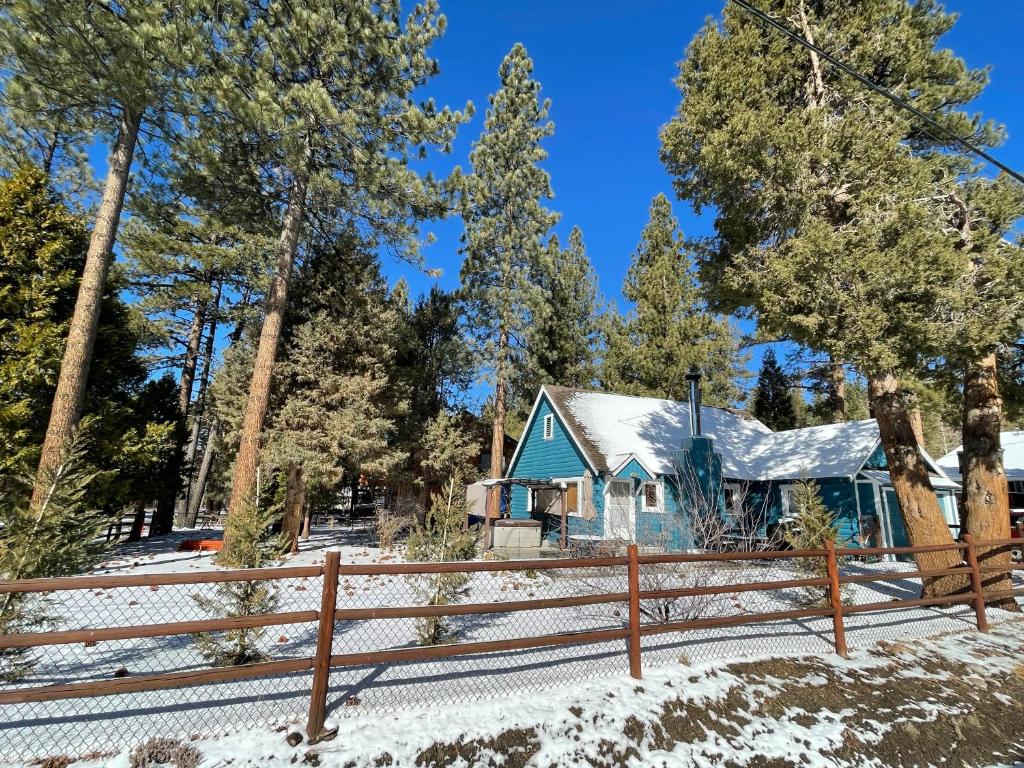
{"points": [[829, 450], [1013, 456], [938, 481], [610, 428]]}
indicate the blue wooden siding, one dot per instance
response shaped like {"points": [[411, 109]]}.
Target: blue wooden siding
{"points": [[877, 460], [837, 493], [899, 531], [840, 499], [541, 459]]}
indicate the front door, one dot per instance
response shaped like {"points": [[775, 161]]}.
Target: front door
{"points": [[619, 510]]}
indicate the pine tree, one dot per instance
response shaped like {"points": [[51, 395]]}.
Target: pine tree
{"points": [[39, 266], [96, 70], [433, 369], [810, 526], [506, 227], [71, 532], [983, 213], [254, 547], [131, 435], [669, 330], [46, 139], [190, 271], [333, 404], [440, 537], [829, 218], [563, 335], [318, 123], [773, 398]]}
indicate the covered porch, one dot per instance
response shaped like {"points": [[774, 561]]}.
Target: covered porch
{"points": [[491, 504]]}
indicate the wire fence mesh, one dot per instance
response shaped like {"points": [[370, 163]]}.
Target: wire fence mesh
{"points": [[732, 591], [86, 725], [379, 687]]}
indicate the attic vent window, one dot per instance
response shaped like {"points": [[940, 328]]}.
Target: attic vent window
{"points": [[549, 427]]}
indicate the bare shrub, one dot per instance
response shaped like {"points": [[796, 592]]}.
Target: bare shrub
{"points": [[392, 523], [162, 751]]}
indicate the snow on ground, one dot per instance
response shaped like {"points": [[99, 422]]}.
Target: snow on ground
{"points": [[903, 704], [81, 726]]}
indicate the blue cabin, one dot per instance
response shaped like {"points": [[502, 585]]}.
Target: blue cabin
{"points": [[646, 470]]}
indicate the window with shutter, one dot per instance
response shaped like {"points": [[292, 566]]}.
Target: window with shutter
{"points": [[650, 495]]}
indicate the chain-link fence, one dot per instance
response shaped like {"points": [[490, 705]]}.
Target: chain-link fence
{"points": [[85, 659], [414, 635]]}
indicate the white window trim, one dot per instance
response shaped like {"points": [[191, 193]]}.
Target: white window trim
{"points": [[549, 426], [737, 491], [578, 481], [660, 496], [785, 499]]}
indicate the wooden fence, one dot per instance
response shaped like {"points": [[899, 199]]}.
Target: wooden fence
{"points": [[324, 659]]}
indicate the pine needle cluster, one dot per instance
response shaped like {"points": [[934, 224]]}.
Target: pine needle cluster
{"points": [[61, 537]]}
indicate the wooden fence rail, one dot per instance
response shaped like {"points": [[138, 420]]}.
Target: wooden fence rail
{"points": [[323, 660]]}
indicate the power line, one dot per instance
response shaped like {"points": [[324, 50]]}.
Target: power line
{"points": [[762, 16]]}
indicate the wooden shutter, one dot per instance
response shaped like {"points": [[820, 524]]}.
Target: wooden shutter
{"points": [[572, 499]]}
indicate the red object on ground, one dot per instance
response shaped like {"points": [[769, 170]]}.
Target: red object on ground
{"points": [[201, 545]]}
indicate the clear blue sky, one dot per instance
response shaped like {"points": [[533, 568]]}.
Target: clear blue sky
{"points": [[608, 70]]}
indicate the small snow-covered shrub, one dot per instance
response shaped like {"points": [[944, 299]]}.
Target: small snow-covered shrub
{"points": [[441, 539], [811, 527]]}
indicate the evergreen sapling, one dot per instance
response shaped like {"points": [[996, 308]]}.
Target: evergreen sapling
{"points": [[810, 526]]}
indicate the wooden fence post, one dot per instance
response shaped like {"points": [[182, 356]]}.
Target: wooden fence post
{"points": [[633, 570], [324, 646], [835, 596], [976, 586]]}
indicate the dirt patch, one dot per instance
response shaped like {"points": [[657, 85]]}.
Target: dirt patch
{"points": [[516, 746]]}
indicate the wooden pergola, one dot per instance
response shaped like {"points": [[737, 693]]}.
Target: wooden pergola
{"points": [[530, 484]]}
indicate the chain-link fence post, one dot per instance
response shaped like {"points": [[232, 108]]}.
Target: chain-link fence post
{"points": [[324, 645], [976, 585], [835, 596], [633, 570]]}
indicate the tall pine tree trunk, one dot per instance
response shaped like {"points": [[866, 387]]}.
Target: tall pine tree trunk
{"points": [[498, 430], [986, 502], [295, 500], [836, 382], [188, 368], [918, 504], [244, 481], [74, 368], [917, 424], [204, 473], [182, 511], [138, 521]]}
